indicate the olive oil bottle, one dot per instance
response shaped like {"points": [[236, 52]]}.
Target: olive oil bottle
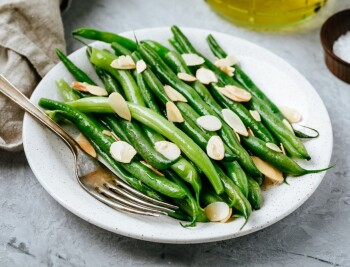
{"points": [[266, 14]]}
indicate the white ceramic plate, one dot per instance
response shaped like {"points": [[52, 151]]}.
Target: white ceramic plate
{"points": [[52, 162]]}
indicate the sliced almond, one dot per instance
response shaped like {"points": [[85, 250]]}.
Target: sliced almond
{"points": [[230, 71], [173, 94], [173, 113], [215, 148], [89, 88], [289, 126], [291, 114], [234, 121], [282, 149], [209, 123], [228, 217], [186, 77], [85, 145], [123, 63], [192, 59], [217, 211], [274, 147], [119, 105], [235, 93], [122, 151], [250, 132], [271, 173], [237, 135], [255, 114], [140, 66], [168, 149], [111, 134], [151, 167], [206, 76], [228, 61]]}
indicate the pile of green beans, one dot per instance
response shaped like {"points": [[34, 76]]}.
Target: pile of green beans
{"points": [[193, 180]]}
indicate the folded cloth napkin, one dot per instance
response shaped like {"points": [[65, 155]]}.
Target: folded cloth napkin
{"points": [[30, 30]]}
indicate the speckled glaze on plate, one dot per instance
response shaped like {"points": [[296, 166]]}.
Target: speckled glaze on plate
{"points": [[52, 163]]}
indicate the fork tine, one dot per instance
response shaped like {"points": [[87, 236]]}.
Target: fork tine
{"points": [[118, 181], [116, 197], [118, 206], [120, 191]]}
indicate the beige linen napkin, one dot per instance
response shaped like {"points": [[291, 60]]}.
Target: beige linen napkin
{"points": [[30, 30]]}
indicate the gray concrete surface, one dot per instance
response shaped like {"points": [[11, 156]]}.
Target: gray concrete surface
{"points": [[37, 231]]}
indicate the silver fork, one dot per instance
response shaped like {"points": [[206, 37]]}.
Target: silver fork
{"points": [[92, 175]]}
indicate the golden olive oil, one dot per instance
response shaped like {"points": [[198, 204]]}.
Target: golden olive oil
{"points": [[266, 14]]}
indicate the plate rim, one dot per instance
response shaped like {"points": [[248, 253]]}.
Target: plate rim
{"points": [[179, 240]]}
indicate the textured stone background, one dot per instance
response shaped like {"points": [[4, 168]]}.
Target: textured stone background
{"points": [[37, 231]]}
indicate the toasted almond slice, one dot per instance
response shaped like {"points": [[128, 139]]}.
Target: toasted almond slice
{"points": [[271, 173], [274, 147], [237, 135], [192, 59], [215, 148], [119, 105], [250, 132], [206, 76], [234, 121], [85, 145], [173, 94], [217, 211], [122, 151], [291, 114], [123, 63], [92, 89], [209, 123], [140, 66], [186, 77], [235, 93], [228, 217], [168, 149], [289, 126], [173, 113], [230, 71], [151, 167], [228, 61], [255, 114], [282, 148], [111, 134]]}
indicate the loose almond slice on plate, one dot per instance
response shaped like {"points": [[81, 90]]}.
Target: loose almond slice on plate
{"points": [[122, 151], [291, 114], [206, 76], [215, 148], [173, 113], [186, 77], [119, 105], [228, 217], [274, 147], [270, 172], [192, 59], [255, 114], [234, 121], [123, 63], [86, 145], [217, 211], [173, 94], [209, 123], [89, 88], [140, 66], [168, 149], [235, 93]]}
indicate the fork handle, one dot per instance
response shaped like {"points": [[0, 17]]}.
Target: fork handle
{"points": [[20, 99]]}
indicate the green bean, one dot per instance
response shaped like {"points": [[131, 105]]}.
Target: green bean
{"points": [[89, 129], [120, 50], [238, 176], [277, 159], [74, 70], [66, 91], [115, 126], [254, 196], [208, 196], [107, 37], [109, 82]]}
